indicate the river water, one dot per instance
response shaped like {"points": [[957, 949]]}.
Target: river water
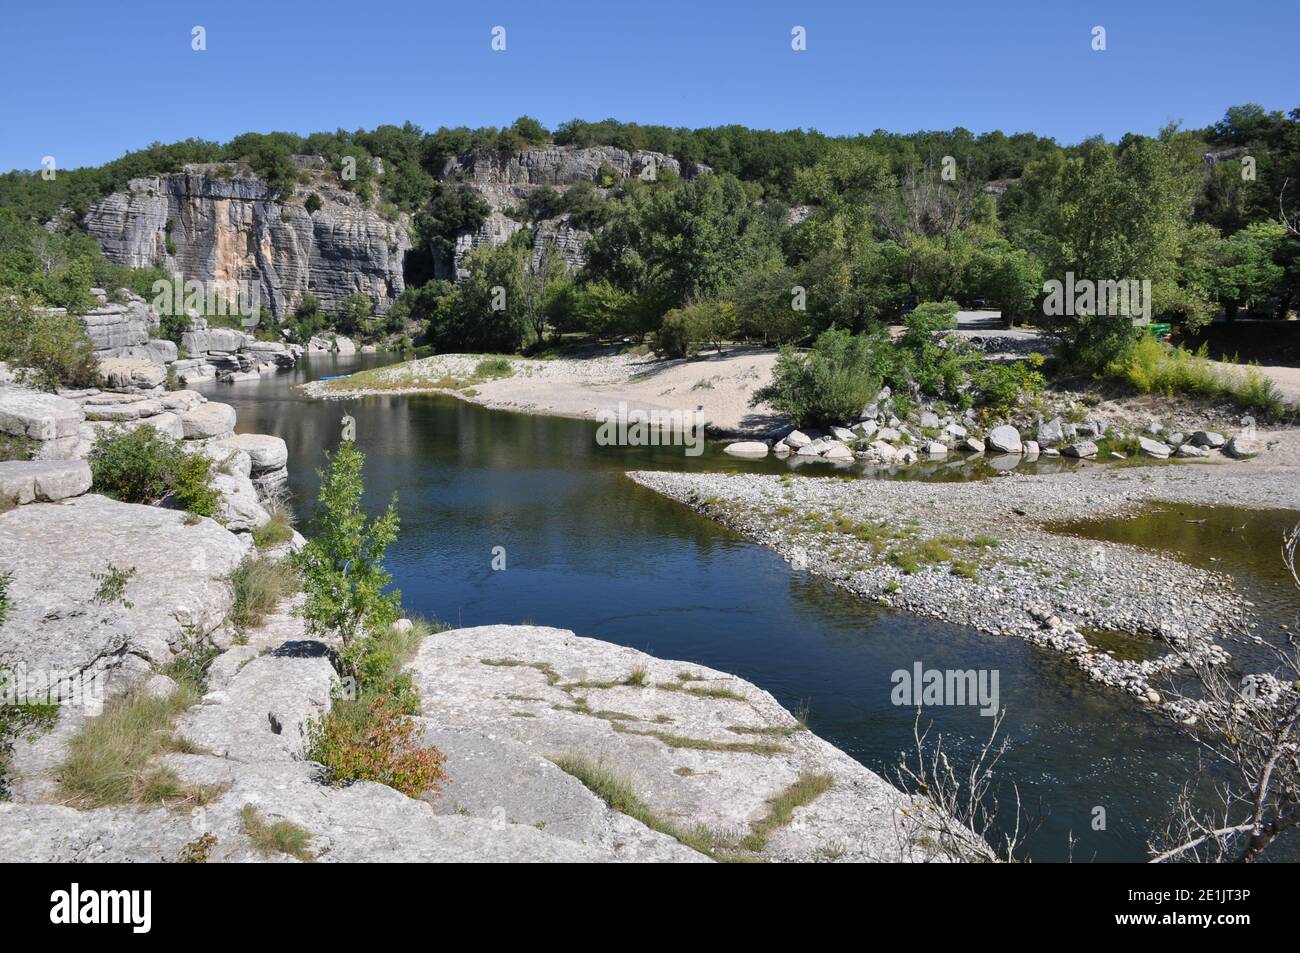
{"points": [[588, 550]]}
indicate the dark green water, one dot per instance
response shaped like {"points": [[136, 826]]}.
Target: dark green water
{"points": [[1245, 544], [590, 551]]}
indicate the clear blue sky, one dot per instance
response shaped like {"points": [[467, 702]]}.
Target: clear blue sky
{"points": [[87, 81]]}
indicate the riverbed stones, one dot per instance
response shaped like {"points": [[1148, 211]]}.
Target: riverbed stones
{"points": [[211, 419], [1243, 447], [1032, 449], [838, 454], [936, 449], [1081, 450], [972, 445], [797, 440], [43, 481], [844, 434], [1051, 433], [1188, 450], [1208, 438], [1156, 449], [955, 432], [746, 448], [1005, 439]]}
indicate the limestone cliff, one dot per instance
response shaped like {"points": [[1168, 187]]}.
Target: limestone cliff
{"points": [[214, 222], [505, 180]]}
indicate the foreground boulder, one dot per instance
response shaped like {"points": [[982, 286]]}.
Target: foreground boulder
{"points": [[211, 419], [64, 621], [1005, 439], [698, 746]]}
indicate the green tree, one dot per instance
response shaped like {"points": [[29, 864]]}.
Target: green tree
{"points": [[831, 383], [342, 564]]}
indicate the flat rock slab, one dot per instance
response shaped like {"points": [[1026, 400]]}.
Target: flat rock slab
{"points": [[362, 823], [262, 713], [498, 779], [44, 481], [121, 373], [55, 550], [699, 746], [40, 416]]}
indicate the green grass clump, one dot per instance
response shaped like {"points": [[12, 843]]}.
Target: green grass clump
{"points": [[110, 759], [278, 530], [617, 792], [706, 744], [275, 837], [494, 367], [260, 585], [804, 791]]}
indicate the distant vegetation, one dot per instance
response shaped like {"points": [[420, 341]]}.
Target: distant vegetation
{"points": [[881, 223]]}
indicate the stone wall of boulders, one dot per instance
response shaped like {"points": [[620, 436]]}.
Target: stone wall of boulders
{"points": [[931, 432], [125, 338], [62, 429]]}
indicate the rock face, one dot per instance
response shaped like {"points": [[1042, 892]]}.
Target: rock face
{"points": [[213, 222], [558, 165], [697, 745], [61, 621], [504, 179]]}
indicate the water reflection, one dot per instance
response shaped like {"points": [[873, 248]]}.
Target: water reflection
{"points": [[589, 550]]}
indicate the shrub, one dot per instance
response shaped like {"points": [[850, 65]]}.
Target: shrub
{"points": [[313, 204], [494, 367], [832, 382], [1154, 367], [372, 740], [145, 466], [1001, 385], [55, 347]]}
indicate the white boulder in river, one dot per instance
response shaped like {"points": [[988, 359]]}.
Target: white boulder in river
{"points": [[747, 448], [1005, 439]]}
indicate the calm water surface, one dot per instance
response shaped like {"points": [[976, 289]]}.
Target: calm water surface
{"points": [[590, 551]]}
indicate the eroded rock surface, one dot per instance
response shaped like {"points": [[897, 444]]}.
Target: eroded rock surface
{"points": [[61, 618]]}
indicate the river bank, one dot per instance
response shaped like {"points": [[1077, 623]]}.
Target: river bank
{"points": [[719, 387], [980, 553]]}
